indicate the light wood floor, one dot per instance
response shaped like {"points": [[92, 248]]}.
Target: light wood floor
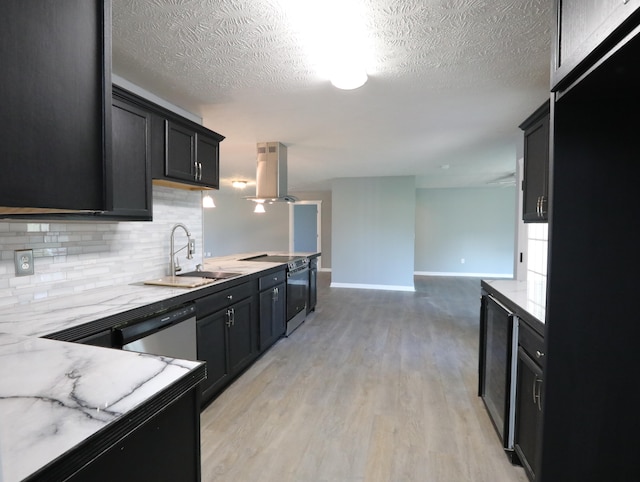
{"points": [[374, 386]]}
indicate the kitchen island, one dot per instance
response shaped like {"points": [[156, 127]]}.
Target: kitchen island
{"points": [[68, 410]]}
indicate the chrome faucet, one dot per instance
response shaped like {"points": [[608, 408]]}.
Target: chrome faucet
{"points": [[174, 266]]}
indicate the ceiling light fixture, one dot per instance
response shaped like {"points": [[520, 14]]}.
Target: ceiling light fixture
{"points": [[207, 202], [335, 36], [259, 208], [349, 79], [239, 184]]}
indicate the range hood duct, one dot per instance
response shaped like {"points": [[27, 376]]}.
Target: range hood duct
{"points": [[271, 175]]}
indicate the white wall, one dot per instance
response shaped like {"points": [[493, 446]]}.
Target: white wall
{"points": [[73, 257], [232, 226], [373, 232], [476, 225]]}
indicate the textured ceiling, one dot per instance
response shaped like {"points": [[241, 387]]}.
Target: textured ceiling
{"points": [[449, 81]]}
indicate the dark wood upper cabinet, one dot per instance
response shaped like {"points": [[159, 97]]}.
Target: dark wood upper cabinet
{"points": [[180, 152], [55, 92], [586, 30], [208, 159], [535, 185], [131, 142], [185, 154]]}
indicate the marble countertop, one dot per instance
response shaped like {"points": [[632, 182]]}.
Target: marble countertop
{"points": [[529, 296], [49, 316], [54, 395]]}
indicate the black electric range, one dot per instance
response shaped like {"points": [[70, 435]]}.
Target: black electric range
{"points": [[297, 286]]}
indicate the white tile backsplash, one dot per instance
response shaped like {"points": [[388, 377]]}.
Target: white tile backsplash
{"points": [[76, 256], [538, 245]]}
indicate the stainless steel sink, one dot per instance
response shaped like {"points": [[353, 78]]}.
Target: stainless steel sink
{"points": [[216, 275]]}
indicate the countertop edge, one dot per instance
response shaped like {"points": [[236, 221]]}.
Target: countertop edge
{"points": [[93, 446], [522, 313]]}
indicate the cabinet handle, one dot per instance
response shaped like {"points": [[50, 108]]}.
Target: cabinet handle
{"points": [[229, 297], [537, 392], [539, 354], [275, 294], [543, 199], [539, 207], [229, 319]]}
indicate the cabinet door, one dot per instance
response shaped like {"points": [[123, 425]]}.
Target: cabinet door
{"points": [[179, 152], [211, 333], [587, 28], [242, 336], [313, 289], [528, 412], [131, 162], [208, 160], [55, 93], [536, 171], [272, 315]]}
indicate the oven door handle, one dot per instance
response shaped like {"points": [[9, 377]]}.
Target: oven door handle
{"points": [[297, 272]]}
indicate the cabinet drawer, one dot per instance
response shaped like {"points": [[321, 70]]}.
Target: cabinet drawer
{"points": [[217, 301], [532, 343], [272, 279]]}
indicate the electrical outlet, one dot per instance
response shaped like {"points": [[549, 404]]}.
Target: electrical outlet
{"points": [[461, 260], [24, 262]]}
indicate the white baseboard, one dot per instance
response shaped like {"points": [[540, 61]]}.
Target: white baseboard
{"points": [[470, 275], [325, 270], [373, 287]]}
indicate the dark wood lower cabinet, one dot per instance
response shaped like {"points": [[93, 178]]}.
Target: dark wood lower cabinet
{"points": [[313, 285], [211, 332], [242, 346], [165, 448], [228, 342], [528, 412], [273, 322]]}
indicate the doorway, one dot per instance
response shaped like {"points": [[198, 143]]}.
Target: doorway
{"points": [[304, 227]]}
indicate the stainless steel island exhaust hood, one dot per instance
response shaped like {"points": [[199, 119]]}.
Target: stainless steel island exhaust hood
{"points": [[271, 175]]}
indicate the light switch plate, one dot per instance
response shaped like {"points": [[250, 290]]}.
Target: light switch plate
{"points": [[24, 262]]}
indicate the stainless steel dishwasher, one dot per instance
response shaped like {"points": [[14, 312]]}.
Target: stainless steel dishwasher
{"points": [[171, 333]]}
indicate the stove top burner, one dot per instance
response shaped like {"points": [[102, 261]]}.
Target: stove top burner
{"points": [[272, 258], [293, 262]]}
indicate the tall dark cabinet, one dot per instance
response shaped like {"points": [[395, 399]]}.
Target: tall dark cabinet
{"points": [[590, 405], [55, 93]]}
